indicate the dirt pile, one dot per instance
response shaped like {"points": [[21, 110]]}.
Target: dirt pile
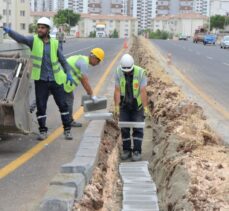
{"points": [[103, 192], [189, 164]]}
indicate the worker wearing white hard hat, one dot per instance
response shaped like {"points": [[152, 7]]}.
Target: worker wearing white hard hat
{"points": [[47, 74], [131, 104]]}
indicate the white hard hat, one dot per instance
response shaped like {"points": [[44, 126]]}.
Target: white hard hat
{"points": [[45, 21], [127, 63]]}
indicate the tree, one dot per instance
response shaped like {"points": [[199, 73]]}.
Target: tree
{"points": [[32, 27], [66, 17], [92, 34], [114, 34], [217, 22]]}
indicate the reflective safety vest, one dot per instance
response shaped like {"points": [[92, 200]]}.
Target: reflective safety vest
{"points": [[75, 72], [37, 55], [137, 77]]}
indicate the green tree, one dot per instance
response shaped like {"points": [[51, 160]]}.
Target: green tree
{"points": [[66, 17], [92, 34], [32, 27], [115, 34], [217, 22]]}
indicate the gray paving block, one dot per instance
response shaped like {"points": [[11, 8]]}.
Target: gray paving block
{"points": [[83, 165], [89, 141], [131, 124], [58, 198], [95, 129], [131, 164], [75, 180], [136, 174], [90, 105], [87, 152], [134, 179], [140, 205], [141, 209], [142, 198], [85, 98], [148, 191], [133, 170], [98, 116], [139, 186]]}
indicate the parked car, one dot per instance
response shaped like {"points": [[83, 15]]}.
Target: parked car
{"points": [[224, 42], [183, 37], [199, 35], [209, 39]]}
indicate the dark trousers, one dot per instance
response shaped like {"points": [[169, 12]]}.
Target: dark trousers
{"points": [[129, 115], [70, 101], [42, 92]]}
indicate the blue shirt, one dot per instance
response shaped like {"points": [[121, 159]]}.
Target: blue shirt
{"points": [[46, 66]]}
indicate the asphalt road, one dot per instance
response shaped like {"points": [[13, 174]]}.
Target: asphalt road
{"points": [[22, 188], [206, 66]]}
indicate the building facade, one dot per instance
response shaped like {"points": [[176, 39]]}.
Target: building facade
{"points": [[125, 26], [15, 14], [219, 7], [185, 23], [202, 6]]}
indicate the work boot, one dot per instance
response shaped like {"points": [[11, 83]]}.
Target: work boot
{"points": [[76, 124], [68, 135], [42, 136], [136, 156], [125, 154]]}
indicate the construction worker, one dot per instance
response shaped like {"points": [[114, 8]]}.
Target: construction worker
{"points": [[79, 69], [131, 104], [47, 74], [60, 36]]}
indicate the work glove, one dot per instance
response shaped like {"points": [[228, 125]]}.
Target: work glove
{"points": [[147, 113], [116, 112], [69, 79], [6, 29], [95, 99]]}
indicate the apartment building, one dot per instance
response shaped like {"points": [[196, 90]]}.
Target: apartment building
{"points": [[125, 25], [185, 23], [170, 7], [219, 7], [15, 14], [201, 6]]}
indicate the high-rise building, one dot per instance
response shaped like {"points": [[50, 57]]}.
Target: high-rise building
{"points": [[15, 14], [172, 7], [219, 7], [201, 6]]}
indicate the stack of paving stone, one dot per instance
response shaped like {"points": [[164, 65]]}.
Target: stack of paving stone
{"points": [[139, 190]]}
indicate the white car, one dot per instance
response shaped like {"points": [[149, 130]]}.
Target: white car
{"points": [[224, 42]]}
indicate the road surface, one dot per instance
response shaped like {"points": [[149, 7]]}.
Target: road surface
{"points": [[22, 186]]}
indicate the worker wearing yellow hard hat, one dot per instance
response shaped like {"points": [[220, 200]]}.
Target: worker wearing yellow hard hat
{"points": [[80, 70]]}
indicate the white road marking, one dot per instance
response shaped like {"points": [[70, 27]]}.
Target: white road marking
{"points": [[226, 64], [79, 50], [208, 57]]}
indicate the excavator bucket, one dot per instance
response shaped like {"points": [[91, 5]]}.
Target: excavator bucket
{"points": [[14, 95]]}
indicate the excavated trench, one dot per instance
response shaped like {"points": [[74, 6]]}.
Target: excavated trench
{"points": [[189, 163]]}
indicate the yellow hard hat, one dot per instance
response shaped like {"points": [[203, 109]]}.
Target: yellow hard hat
{"points": [[99, 53]]}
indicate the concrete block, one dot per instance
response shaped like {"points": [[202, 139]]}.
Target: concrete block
{"points": [[58, 198], [75, 180], [142, 198], [135, 173], [140, 186], [90, 105], [140, 205], [85, 98], [87, 152], [95, 129], [133, 179], [83, 165], [131, 124], [131, 164], [98, 116]]}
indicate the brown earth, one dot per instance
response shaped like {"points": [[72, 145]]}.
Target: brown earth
{"points": [[189, 163]]}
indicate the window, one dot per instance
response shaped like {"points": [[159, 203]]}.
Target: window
{"points": [[5, 12], [22, 1], [22, 26], [22, 13]]}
